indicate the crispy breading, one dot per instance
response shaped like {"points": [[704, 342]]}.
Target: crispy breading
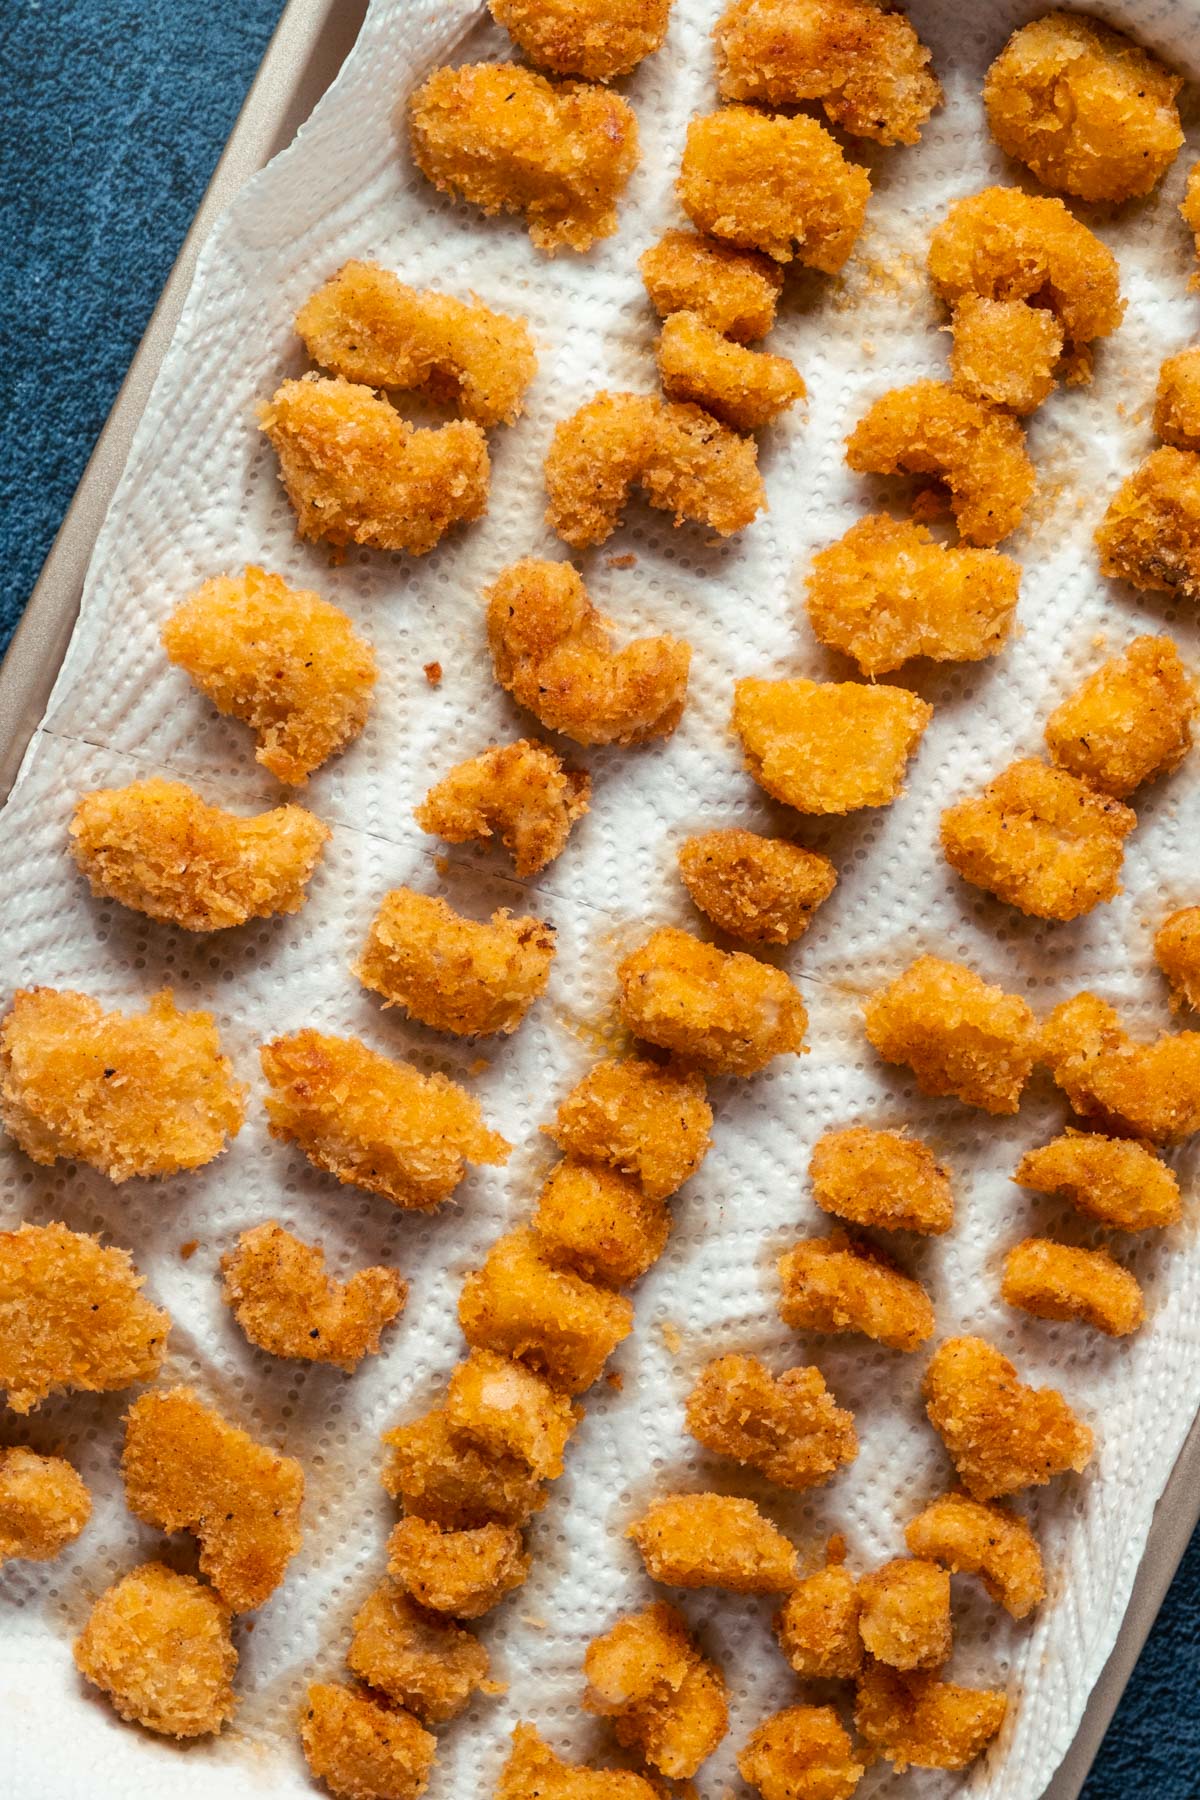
{"points": [[1060, 1281], [722, 1010], [597, 39], [734, 291], [974, 451], [367, 326], [158, 1645], [357, 473], [1177, 953], [1001, 1435], [71, 1317], [836, 1284], [1039, 838], [648, 1120], [552, 649], [187, 1469], [1114, 1180], [957, 1034], [281, 1295], [511, 1411], [713, 1540], [462, 1573], [44, 1505], [446, 1477], [1190, 211], [1083, 106], [827, 746], [361, 1749], [600, 1223], [1007, 353], [504, 139], [520, 1305], [801, 1753], [1177, 400], [773, 183], [745, 388], [1124, 1086], [1150, 535], [428, 1664], [523, 792], [789, 1426], [762, 890], [534, 1772], [904, 1617], [664, 1698], [284, 661], [917, 1720], [982, 1538], [884, 1179], [1130, 721], [817, 1625]]}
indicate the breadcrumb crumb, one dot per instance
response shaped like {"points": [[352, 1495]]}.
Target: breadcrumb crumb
{"points": [[904, 1616], [834, 1284], [598, 39], [985, 1539], [280, 1294], [461, 1573], [600, 1223], [158, 1645], [44, 1505], [427, 1664], [445, 1477], [361, 1749], [883, 1179], [1150, 535], [817, 1626], [664, 1697], [648, 1120], [1129, 722], [828, 746], [520, 1305], [523, 792], [957, 1034], [713, 1540], [801, 1753], [1116, 1181], [917, 1720], [789, 1425], [744, 388], [759, 889], [534, 1772], [511, 1411], [734, 291], [1060, 1281], [1001, 1435], [723, 1010], [1130, 1088]]}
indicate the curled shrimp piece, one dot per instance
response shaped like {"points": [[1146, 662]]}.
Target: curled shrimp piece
{"points": [[522, 791], [734, 291], [1130, 1088], [1061, 1281], [984, 1538], [1177, 400], [1177, 953], [1150, 535], [744, 388], [597, 39]]}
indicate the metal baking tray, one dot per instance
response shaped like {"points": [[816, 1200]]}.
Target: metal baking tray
{"points": [[308, 48]]}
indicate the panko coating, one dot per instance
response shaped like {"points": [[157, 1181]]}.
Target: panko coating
{"points": [[520, 1305], [801, 1753], [427, 1664], [1112, 1080], [284, 661], [734, 291], [1177, 953], [745, 388], [524, 793], [552, 650], [367, 326], [597, 39], [72, 1318], [789, 1426], [505, 139], [1177, 400], [1006, 353], [957, 1034], [862, 61], [130, 1094], [759, 889], [1129, 722], [44, 1505], [1060, 1281], [888, 591], [1190, 210], [1001, 1435], [682, 459], [511, 1411], [664, 1698], [1150, 535], [461, 1573], [884, 1179], [986, 1539], [158, 1645], [375, 1123], [917, 1720], [453, 973], [1085, 108], [974, 451], [772, 183], [281, 1295], [1116, 1181], [1039, 838], [600, 1223], [713, 1540], [828, 746], [722, 1010], [904, 1617], [443, 1476], [534, 1772], [157, 847], [834, 1284], [187, 1469], [361, 1749], [817, 1625], [645, 1119], [357, 473]]}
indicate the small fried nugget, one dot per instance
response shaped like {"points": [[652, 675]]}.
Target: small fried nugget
{"points": [[904, 1617], [375, 1123], [427, 1664], [1130, 1088], [600, 1223], [957, 1034], [1083, 106], [367, 326], [885, 1179], [1005, 353], [1177, 953], [357, 473], [1117, 1181], [187, 1469], [723, 1010], [1150, 535], [664, 1697], [71, 1317], [1190, 211], [982, 1538], [974, 451], [552, 650], [280, 1294], [504, 139], [1039, 838], [1001, 1435], [361, 1749], [817, 1626], [597, 39], [713, 1540], [734, 291], [522, 791], [281, 659], [745, 388], [158, 1645], [447, 1478], [1059, 1281], [1177, 400], [801, 1753], [462, 1573], [834, 1284], [44, 1505], [648, 1120], [511, 1411], [789, 1426], [1130, 721], [760, 889], [828, 746], [520, 1305], [916, 1720], [534, 1772]]}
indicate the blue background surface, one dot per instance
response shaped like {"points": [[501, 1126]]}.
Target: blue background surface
{"points": [[115, 112]]}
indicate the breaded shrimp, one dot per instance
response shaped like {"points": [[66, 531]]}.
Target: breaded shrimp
{"points": [[1116, 1181], [44, 1505], [534, 1772], [1177, 953], [745, 388], [1150, 535], [1177, 400], [520, 1305], [828, 746], [598, 39], [1001, 1435], [1129, 722], [429, 1665], [505, 139], [1130, 1088], [447, 1478], [511, 1411], [361, 1749], [918, 1721], [1190, 211], [789, 1426], [524, 792], [130, 1094], [724, 1011], [817, 1626], [884, 1179], [600, 1223], [454, 973], [904, 1613], [280, 1294], [648, 1120], [158, 1645], [357, 473], [665, 1699], [835, 1284], [367, 326], [1060, 1281], [985, 1539], [713, 1540], [956, 1033], [801, 1753], [734, 291], [759, 889], [460, 1573], [1008, 353]]}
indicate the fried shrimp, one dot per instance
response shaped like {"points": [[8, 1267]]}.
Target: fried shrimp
{"points": [[600, 1223], [904, 1614], [883, 1179], [552, 650], [956, 1033], [188, 1469], [523, 792], [463, 1574], [723, 1011], [367, 326], [1007, 353], [44, 1505], [759, 889], [801, 1753], [597, 39], [1131, 1088], [745, 388], [828, 746], [1115, 1181], [157, 847], [648, 1120], [1177, 953], [834, 1284], [1001, 1435], [448, 1479], [282, 660], [505, 139], [817, 1626], [429, 1665], [453, 973], [1130, 721], [357, 473], [518, 1304], [985, 1539], [1190, 211], [789, 1426], [734, 291], [158, 1645], [361, 1749], [287, 1304], [1150, 535], [533, 1770], [713, 1540], [974, 451], [1177, 400], [511, 1411], [1059, 1281], [1084, 107], [917, 1720], [664, 1698]]}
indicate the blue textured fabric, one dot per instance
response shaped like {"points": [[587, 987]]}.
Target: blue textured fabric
{"points": [[116, 113]]}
